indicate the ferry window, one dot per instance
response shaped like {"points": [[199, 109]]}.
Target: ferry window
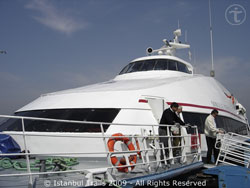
{"points": [[11, 124], [228, 124], [194, 119], [239, 128], [161, 64], [94, 115], [220, 123], [182, 67], [130, 68], [125, 69], [136, 66], [172, 65], [203, 119], [148, 65], [155, 64]]}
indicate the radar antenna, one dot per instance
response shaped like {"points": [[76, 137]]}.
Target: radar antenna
{"points": [[169, 47]]}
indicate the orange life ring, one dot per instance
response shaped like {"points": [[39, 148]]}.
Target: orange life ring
{"points": [[114, 159]]}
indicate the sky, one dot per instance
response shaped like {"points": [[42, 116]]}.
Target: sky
{"points": [[58, 44]]}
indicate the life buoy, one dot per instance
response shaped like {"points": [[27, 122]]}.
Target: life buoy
{"points": [[114, 159]]}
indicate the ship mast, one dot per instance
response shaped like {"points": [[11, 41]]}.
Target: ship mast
{"points": [[212, 72]]}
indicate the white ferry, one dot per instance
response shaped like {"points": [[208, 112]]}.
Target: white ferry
{"points": [[87, 122], [138, 95]]}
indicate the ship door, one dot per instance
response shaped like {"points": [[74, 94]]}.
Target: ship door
{"points": [[157, 105]]}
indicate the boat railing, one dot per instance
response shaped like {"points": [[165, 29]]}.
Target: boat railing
{"points": [[234, 149], [150, 147]]}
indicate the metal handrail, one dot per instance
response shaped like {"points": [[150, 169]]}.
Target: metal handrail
{"points": [[86, 122], [234, 147], [104, 136], [27, 133]]}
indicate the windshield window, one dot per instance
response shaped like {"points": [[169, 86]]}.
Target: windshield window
{"points": [[135, 67], [182, 67], [148, 65], [172, 65], [125, 69], [161, 64], [155, 64]]}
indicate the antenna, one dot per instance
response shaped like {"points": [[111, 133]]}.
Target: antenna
{"points": [[194, 62], [178, 24], [186, 36], [212, 72], [189, 52]]}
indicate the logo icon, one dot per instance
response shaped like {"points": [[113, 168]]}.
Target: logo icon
{"points": [[235, 14], [47, 183]]}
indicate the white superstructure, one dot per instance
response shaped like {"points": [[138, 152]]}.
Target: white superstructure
{"points": [[138, 95]]}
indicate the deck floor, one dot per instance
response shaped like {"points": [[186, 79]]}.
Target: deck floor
{"points": [[79, 179]]}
